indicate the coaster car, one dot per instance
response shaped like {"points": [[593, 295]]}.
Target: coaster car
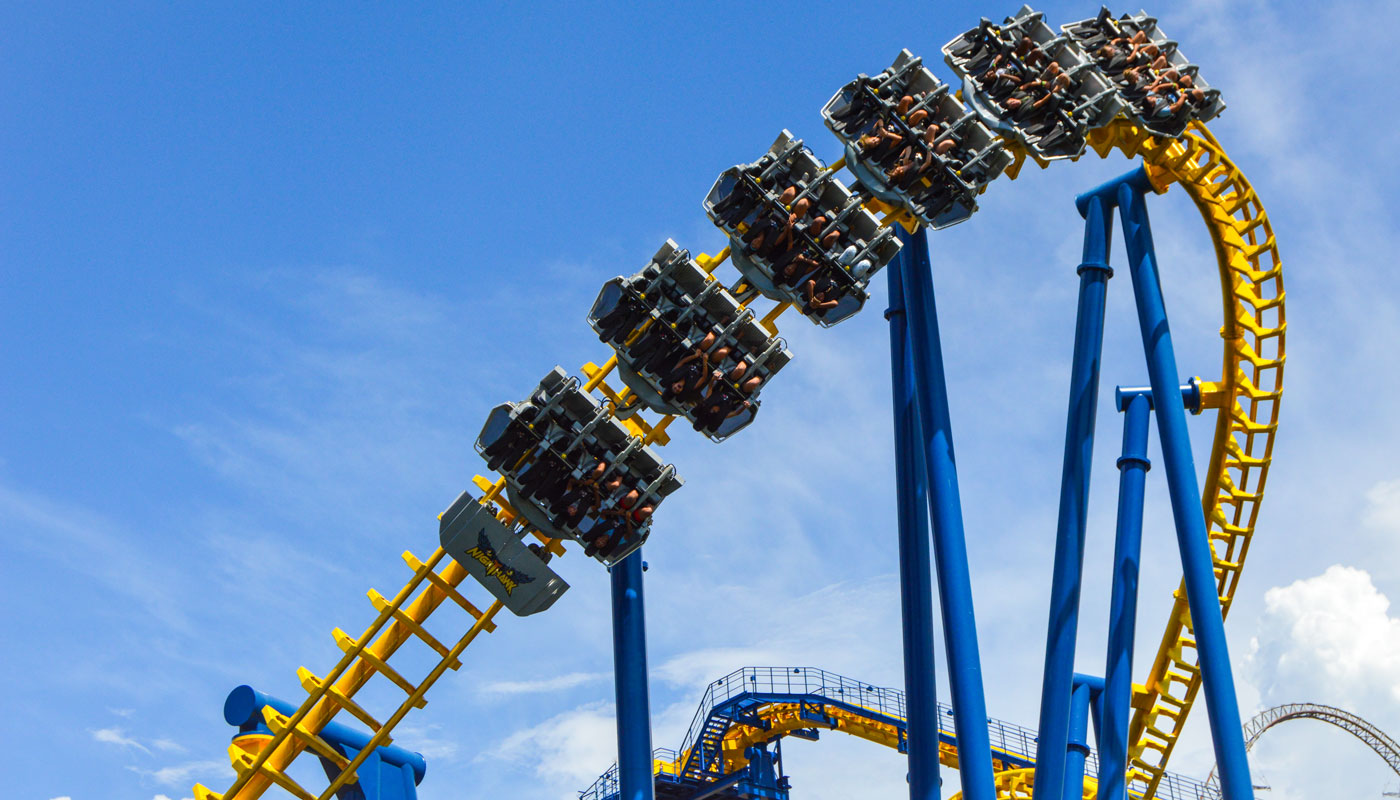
{"points": [[1125, 49], [798, 234], [929, 155], [573, 471], [681, 338], [1041, 89], [494, 553]]}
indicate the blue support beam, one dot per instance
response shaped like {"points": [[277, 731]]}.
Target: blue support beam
{"points": [[1197, 562], [1085, 690], [1067, 575], [1118, 673], [630, 680], [945, 508], [388, 773], [915, 572]]}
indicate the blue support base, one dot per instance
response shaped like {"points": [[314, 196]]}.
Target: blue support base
{"points": [[388, 773], [378, 779], [630, 680]]}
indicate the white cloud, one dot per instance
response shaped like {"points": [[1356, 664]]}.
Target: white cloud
{"points": [[427, 741], [116, 559], [567, 751], [65, 797], [844, 627], [117, 737], [1331, 634], [1383, 506], [555, 684], [1329, 639], [181, 774], [167, 797]]}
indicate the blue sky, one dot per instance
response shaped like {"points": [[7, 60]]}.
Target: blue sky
{"points": [[263, 270]]}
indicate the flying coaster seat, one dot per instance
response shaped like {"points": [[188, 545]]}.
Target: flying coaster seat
{"points": [[1110, 42], [573, 470], [673, 311], [746, 202], [1006, 100], [944, 190]]}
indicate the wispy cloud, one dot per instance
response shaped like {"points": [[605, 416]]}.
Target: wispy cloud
{"points": [[543, 685], [427, 740], [565, 752], [182, 774], [1383, 506], [168, 746], [118, 737], [345, 400], [111, 555]]}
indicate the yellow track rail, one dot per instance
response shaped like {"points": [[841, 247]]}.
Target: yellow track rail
{"points": [[1247, 394], [780, 719], [261, 761], [1019, 784]]}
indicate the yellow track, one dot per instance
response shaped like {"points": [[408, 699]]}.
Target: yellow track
{"points": [[1019, 784], [1247, 393], [780, 719]]}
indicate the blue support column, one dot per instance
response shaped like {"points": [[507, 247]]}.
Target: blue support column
{"points": [[1086, 688], [945, 507], [1066, 579], [630, 680], [915, 574], [1202, 593], [1122, 618]]}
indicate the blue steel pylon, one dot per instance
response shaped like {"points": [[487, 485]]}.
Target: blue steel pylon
{"points": [[1053, 772], [635, 781], [921, 369]]}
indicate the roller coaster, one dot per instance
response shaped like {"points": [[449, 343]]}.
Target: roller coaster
{"points": [[1380, 743], [576, 460]]}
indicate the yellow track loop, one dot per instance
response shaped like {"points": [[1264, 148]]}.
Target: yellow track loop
{"points": [[1247, 399]]}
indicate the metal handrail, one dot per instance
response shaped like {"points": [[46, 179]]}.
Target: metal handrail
{"points": [[1016, 741]]}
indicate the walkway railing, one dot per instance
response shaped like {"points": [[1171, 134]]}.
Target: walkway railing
{"points": [[795, 684]]}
